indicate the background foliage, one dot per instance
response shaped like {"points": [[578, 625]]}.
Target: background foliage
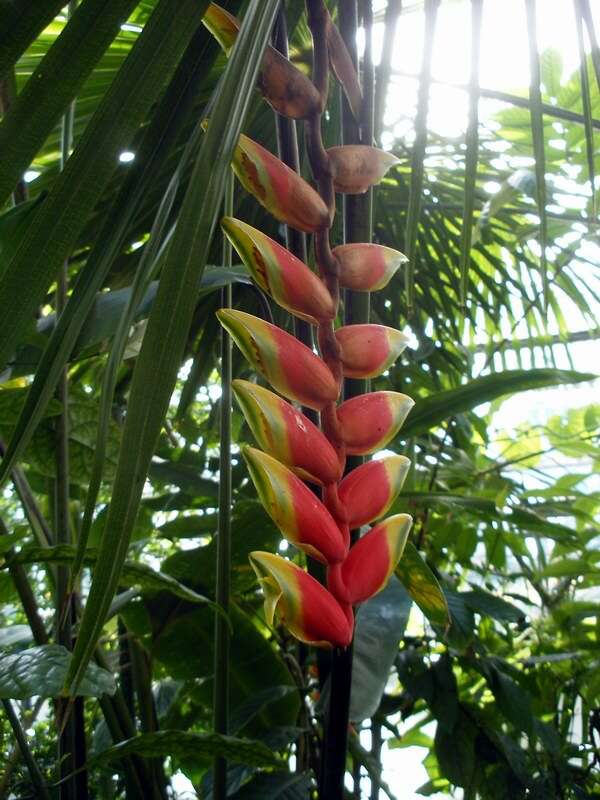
{"points": [[485, 652]]}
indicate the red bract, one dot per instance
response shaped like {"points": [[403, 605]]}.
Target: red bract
{"points": [[287, 434], [374, 557], [368, 350], [293, 449], [369, 422], [288, 365], [369, 490]]}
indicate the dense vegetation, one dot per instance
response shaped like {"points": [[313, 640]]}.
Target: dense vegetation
{"points": [[484, 649]]}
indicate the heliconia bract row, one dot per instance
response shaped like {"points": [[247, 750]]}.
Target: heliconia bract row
{"points": [[293, 449]]}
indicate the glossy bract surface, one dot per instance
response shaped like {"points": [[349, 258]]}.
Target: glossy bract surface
{"points": [[297, 512], [289, 366], [309, 611], [285, 433], [283, 276]]}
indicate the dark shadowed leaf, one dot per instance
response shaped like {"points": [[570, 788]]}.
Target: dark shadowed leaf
{"points": [[41, 672], [422, 585], [183, 745], [380, 623]]}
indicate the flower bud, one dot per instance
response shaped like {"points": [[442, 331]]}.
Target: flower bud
{"points": [[285, 433], [295, 509], [367, 267], [368, 422], [368, 491], [343, 68], [279, 273], [290, 366], [374, 557], [368, 350], [287, 196], [288, 90], [356, 167], [306, 608]]}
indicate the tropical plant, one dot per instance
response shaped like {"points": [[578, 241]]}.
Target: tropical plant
{"points": [[133, 634]]}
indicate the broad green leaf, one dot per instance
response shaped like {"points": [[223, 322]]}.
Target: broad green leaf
{"points": [[422, 585], [455, 751], [183, 744], [485, 603], [380, 624], [570, 567], [292, 786], [254, 666], [462, 620], [134, 572], [251, 529], [430, 411], [15, 634], [55, 83], [11, 405], [514, 702], [254, 705], [41, 672]]}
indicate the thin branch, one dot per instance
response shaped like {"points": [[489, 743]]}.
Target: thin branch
{"points": [[34, 771]]}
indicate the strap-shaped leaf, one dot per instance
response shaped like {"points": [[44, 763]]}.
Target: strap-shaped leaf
{"points": [[54, 231], [78, 312], [587, 105], [55, 83], [537, 132], [472, 151], [20, 22], [156, 368], [431, 411], [418, 153]]}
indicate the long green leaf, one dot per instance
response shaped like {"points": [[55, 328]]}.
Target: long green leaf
{"points": [[586, 12], [472, 140], [20, 22], [587, 105], [431, 411], [54, 231], [156, 368], [134, 573], [418, 153], [422, 585], [537, 132], [55, 83], [111, 237], [185, 745]]}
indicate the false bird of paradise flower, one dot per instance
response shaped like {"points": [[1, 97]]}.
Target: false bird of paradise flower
{"points": [[293, 449]]}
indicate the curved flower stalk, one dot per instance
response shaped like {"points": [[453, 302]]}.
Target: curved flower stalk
{"points": [[292, 448]]}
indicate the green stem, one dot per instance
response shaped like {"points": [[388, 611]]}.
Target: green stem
{"points": [[34, 771], [71, 743], [26, 596], [222, 633]]}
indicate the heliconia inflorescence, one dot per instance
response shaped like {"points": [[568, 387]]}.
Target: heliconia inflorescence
{"points": [[293, 449]]}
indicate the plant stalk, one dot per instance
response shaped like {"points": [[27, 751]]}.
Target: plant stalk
{"points": [[71, 744], [34, 771], [222, 633]]}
